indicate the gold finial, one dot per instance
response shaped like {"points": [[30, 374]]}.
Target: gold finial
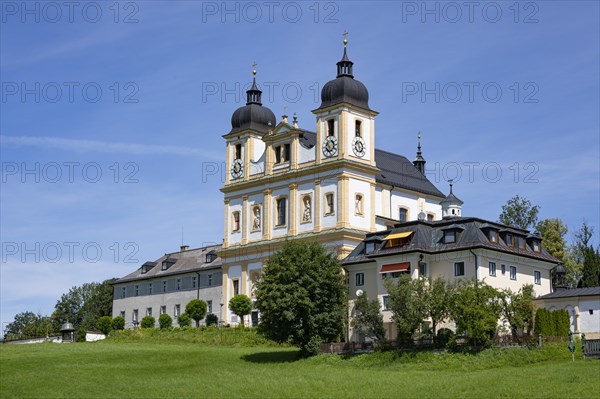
{"points": [[419, 135], [345, 34], [254, 64]]}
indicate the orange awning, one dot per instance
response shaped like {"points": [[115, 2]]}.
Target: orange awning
{"points": [[395, 267], [398, 235]]}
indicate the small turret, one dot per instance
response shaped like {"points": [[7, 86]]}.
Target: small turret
{"points": [[451, 205]]}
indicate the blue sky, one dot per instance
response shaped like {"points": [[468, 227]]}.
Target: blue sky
{"points": [[111, 117]]}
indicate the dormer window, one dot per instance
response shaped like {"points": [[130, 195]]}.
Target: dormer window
{"points": [[535, 244], [398, 239], [493, 236], [509, 240], [147, 267], [369, 248], [357, 129], [238, 151], [168, 263], [449, 236], [520, 242], [330, 125], [210, 257]]}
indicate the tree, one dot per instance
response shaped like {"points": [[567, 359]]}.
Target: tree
{"points": [[302, 296], [148, 322], [28, 325], [240, 305], [368, 320], [196, 309], [587, 256], [118, 323], [518, 310], [518, 212], [553, 232], [165, 321], [476, 309], [407, 301], [544, 323], [439, 297], [184, 320], [104, 324]]}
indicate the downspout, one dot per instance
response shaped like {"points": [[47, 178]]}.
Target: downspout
{"points": [[476, 265], [198, 286], [346, 276], [391, 194]]}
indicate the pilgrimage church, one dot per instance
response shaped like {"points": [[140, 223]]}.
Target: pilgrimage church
{"points": [[332, 185]]}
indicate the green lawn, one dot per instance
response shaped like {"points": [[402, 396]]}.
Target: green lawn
{"points": [[155, 369]]}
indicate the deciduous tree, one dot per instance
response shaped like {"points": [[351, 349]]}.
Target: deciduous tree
{"points": [[367, 318], [519, 212], [240, 305], [196, 309], [407, 301]]}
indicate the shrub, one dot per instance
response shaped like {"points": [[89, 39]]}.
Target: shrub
{"points": [[184, 320], [165, 321], [148, 322], [562, 322], [240, 305], [118, 323], [443, 337], [104, 324], [80, 335], [212, 319], [196, 309]]}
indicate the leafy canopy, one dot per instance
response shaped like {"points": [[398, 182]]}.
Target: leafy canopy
{"points": [[240, 305], [368, 320], [196, 309], [519, 212], [302, 296]]}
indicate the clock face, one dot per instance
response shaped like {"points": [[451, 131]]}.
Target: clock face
{"points": [[330, 146], [237, 170], [358, 147]]}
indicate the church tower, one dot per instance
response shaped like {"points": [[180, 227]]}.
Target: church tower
{"points": [[345, 122]]}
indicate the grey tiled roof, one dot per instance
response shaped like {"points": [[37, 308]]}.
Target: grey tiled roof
{"points": [[186, 261], [396, 170], [573, 292], [428, 238]]}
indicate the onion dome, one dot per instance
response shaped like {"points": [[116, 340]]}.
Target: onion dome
{"points": [[253, 115], [344, 89]]}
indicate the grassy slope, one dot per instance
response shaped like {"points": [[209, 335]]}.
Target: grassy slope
{"points": [[148, 369]]}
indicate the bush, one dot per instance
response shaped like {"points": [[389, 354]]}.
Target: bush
{"points": [[80, 335], [562, 323], [165, 321], [184, 320], [552, 324], [196, 309], [118, 323], [212, 319], [104, 324], [443, 337], [148, 322]]}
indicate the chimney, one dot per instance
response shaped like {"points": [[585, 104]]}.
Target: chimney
{"points": [[184, 248]]}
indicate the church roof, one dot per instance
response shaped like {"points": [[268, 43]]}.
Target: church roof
{"points": [[428, 236], [396, 170], [190, 260]]}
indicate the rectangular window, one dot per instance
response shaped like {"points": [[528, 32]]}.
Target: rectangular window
{"points": [[402, 214], [330, 124], [194, 282], [492, 269], [149, 288], [286, 153], [357, 131], [536, 246], [238, 151], [278, 154], [164, 266], [430, 217], [423, 269], [386, 302], [281, 212], [164, 286], [537, 277], [360, 279], [493, 235], [122, 313], [520, 242], [148, 311], [123, 292], [178, 284], [449, 236], [163, 309], [459, 268], [236, 287], [369, 247], [210, 280], [396, 274], [177, 310], [383, 276], [510, 240], [236, 221], [329, 204], [137, 290], [209, 307], [503, 269], [134, 316], [513, 272]]}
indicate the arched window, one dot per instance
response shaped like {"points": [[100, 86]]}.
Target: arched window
{"points": [[357, 128], [330, 125], [403, 214], [281, 211]]}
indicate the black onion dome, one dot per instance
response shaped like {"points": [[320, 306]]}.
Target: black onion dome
{"points": [[253, 115], [345, 88]]}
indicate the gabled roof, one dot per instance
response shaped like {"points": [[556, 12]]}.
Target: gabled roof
{"points": [[396, 170], [573, 292], [191, 260], [428, 238]]}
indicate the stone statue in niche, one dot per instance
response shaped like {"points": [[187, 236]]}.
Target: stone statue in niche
{"points": [[358, 205], [307, 212], [256, 222]]}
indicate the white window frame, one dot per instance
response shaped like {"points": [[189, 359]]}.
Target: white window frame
{"points": [[456, 269], [513, 272], [537, 277], [492, 269], [359, 279]]}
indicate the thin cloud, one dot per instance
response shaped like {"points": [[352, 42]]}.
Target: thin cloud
{"points": [[58, 143]]}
